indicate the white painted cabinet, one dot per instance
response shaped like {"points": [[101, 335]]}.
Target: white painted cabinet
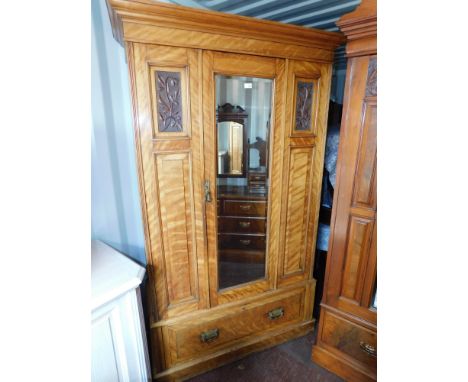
{"points": [[119, 349]]}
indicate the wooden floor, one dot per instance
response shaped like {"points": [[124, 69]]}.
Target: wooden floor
{"points": [[287, 362]]}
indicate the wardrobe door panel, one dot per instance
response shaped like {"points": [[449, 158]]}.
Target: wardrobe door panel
{"points": [[303, 148], [252, 86], [353, 243], [167, 83]]}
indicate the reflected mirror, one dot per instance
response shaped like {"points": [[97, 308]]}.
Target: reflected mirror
{"points": [[243, 115], [231, 141]]}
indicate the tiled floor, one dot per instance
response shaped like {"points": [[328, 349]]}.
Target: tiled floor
{"points": [[287, 362]]}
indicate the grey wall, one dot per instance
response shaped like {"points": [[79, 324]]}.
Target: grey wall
{"points": [[115, 202]]}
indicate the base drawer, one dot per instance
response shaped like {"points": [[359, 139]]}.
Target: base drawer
{"points": [[194, 339], [349, 338]]}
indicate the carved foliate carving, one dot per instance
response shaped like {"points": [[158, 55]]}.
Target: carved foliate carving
{"points": [[169, 101], [371, 85], [304, 105]]}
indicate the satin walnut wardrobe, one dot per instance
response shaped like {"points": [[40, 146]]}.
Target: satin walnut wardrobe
{"points": [[230, 120]]}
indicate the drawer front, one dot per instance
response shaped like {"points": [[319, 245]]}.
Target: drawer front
{"points": [[241, 241], [351, 339], [257, 178], [244, 225], [196, 339], [244, 208]]}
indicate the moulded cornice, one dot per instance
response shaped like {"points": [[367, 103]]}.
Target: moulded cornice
{"points": [[173, 16]]}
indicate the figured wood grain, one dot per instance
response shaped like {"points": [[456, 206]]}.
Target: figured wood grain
{"points": [[303, 180], [276, 175], [180, 227], [256, 343], [151, 286], [234, 327], [356, 257], [365, 179], [343, 367], [174, 184], [358, 145], [297, 204], [242, 322], [346, 336], [171, 180], [347, 317], [235, 27]]}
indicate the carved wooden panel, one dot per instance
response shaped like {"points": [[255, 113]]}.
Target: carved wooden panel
{"points": [[169, 101], [364, 182], [170, 97], [174, 185], [356, 256], [297, 209], [304, 98], [371, 85]]}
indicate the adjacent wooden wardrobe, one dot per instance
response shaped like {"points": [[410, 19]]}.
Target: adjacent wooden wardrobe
{"points": [[230, 119], [347, 333]]}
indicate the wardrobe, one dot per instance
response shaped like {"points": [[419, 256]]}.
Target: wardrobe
{"points": [[347, 331], [230, 116]]}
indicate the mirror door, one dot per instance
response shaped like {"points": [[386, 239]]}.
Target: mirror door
{"points": [[239, 99]]}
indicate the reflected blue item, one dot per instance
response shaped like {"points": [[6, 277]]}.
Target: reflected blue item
{"points": [[323, 235]]}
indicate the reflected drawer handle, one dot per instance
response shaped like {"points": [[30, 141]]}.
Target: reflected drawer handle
{"points": [[257, 178], [209, 335], [245, 242], [276, 313], [369, 349], [245, 207], [244, 224]]}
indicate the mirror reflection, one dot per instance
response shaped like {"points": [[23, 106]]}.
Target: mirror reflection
{"points": [[243, 115]]}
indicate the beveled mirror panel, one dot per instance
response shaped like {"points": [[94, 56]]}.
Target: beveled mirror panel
{"points": [[243, 115], [230, 148]]}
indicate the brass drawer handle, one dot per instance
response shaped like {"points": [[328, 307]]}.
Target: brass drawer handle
{"points": [[244, 224], [369, 349], [245, 242], [209, 335], [245, 207], [276, 313]]}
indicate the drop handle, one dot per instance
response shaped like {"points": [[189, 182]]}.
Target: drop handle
{"points": [[245, 242], [244, 224], [207, 191], [276, 313], [209, 335], [369, 349], [245, 207]]}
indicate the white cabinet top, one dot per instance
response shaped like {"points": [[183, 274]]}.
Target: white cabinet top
{"points": [[112, 274]]}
